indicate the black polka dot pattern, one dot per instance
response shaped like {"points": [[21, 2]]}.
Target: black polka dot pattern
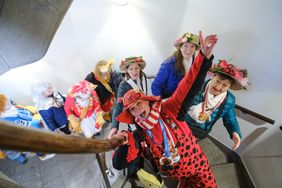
{"points": [[193, 167]]}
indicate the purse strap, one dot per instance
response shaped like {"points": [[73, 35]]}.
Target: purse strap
{"points": [[141, 135]]}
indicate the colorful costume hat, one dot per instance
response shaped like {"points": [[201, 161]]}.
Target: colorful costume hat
{"points": [[128, 100], [239, 75], [130, 60], [82, 87], [188, 37]]}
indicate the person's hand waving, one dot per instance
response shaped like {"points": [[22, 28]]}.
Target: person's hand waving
{"points": [[207, 44]]}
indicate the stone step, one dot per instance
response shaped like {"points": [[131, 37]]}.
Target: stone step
{"points": [[214, 154], [227, 175], [121, 182]]}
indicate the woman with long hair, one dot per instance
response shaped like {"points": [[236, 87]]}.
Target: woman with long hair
{"points": [[173, 69]]}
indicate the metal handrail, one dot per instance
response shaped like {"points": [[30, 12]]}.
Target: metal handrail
{"points": [[257, 115]]}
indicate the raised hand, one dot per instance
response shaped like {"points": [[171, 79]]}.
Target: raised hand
{"points": [[207, 44]]}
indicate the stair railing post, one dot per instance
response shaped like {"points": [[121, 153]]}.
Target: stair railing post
{"points": [[103, 170]]}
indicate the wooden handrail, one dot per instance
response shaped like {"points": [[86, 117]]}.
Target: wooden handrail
{"points": [[257, 115], [15, 137]]}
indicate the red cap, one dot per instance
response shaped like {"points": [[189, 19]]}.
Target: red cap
{"points": [[128, 100]]}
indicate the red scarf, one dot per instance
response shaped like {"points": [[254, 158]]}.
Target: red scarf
{"points": [[153, 117], [152, 123]]}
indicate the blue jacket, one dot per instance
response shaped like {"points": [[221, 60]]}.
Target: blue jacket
{"points": [[228, 114], [167, 79]]}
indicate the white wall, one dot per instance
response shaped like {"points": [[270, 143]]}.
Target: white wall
{"points": [[249, 32]]}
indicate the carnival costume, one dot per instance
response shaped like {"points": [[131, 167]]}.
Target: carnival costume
{"points": [[101, 77], [83, 109], [171, 143], [206, 108], [50, 106]]}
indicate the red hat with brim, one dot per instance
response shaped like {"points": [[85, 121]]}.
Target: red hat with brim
{"points": [[128, 100]]}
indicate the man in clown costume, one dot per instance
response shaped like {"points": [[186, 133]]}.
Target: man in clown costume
{"points": [[161, 125], [83, 109]]}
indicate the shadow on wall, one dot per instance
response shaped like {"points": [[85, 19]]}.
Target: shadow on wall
{"points": [[270, 147], [168, 15], [27, 29], [264, 157], [251, 138]]}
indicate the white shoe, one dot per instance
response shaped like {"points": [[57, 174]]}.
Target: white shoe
{"points": [[47, 156], [110, 173]]}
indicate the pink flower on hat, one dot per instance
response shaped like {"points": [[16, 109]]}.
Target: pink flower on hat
{"points": [[223, 64], [244, 82], [238, 74], [183, 40], [187, 37]]}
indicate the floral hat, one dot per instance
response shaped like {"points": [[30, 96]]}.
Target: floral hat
{"points": [[238, 74], [188, 37], [128, 100], [130, 60]]}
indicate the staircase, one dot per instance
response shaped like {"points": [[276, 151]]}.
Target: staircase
{"points": [[226, 164], [82, 169]]}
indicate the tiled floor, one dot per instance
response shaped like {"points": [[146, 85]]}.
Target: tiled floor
{"points": [[62, 171]]}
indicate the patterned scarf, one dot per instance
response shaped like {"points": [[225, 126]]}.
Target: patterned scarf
{"points": [[212, 103], [153, 117], [152, 123]]}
